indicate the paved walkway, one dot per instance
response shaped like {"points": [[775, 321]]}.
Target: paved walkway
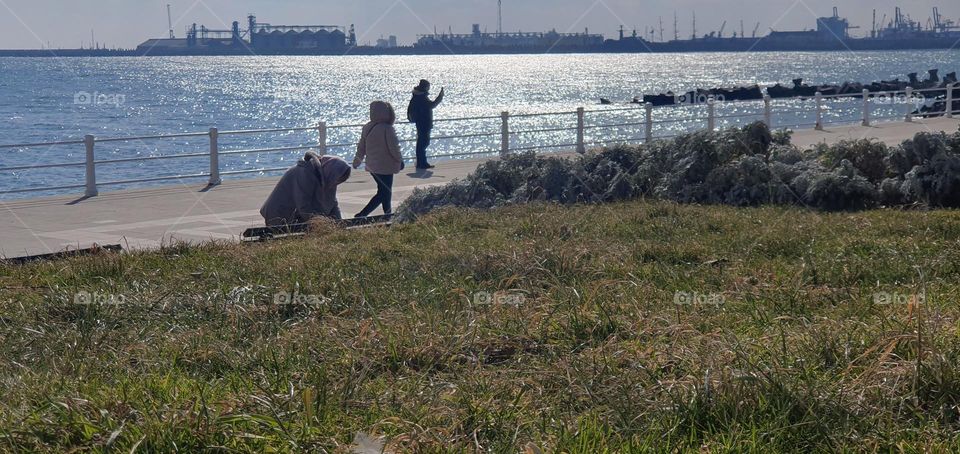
{"points": [[147, 218]]}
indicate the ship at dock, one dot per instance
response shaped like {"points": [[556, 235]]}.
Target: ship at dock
{"points": [[832, 33]]}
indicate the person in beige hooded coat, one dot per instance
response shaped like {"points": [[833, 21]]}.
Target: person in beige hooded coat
{"points": [[308, 189], [379, 147]]}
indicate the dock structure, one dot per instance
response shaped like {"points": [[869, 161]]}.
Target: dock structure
{"points": [[257, 38], [149, 218], [479, 39]]}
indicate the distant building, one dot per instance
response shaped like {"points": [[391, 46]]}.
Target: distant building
{"points": [[388, 43], [300, 37], [259, 37], [518, 40]]}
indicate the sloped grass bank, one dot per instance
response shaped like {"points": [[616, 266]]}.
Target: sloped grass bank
{"points": [[640, 326]]}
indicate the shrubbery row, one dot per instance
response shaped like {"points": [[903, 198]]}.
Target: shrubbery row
{"points": [[746, 166]]}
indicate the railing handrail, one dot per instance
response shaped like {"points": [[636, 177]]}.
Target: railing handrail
{"points": [[41, 144], [506, 132]]}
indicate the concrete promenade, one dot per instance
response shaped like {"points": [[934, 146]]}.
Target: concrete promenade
{"points": [[148, 218]]}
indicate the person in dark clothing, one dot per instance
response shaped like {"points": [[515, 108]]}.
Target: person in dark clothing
{"points": [[420, 111], [307, 190]]}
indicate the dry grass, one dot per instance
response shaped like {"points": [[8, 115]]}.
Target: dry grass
{"points": [[582, 350]]}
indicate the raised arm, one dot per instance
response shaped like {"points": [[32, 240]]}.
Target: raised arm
{"points": [[436, 102]]}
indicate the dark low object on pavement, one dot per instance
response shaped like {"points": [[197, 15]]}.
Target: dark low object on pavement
{"points": [[266, 233]]}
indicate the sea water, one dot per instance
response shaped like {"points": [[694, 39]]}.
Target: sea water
{"points": [[58, 99]]}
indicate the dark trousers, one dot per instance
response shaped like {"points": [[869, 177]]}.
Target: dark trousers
{"points": [[383, 197], [423, 141]]}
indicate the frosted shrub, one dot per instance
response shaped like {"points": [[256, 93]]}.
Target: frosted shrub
{"points": [[916, 151], [936, 182], [748, 181], [465, 193], [839, 189], [786, 154], [782, 137], [746, 166], [867, 156], [926, 170]]}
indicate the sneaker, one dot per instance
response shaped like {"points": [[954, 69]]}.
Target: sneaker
{"points": [[359, 215], [428, 166]]}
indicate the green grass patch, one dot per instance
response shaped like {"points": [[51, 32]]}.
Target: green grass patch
{"points": [[640, 326]]}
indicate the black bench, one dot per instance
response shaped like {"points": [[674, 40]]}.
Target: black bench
{"points": [[267, 233]]}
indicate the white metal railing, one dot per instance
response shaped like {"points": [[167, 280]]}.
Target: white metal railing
{"points": [[506, 132]]}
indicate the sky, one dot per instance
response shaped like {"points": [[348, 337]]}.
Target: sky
{"points": [[32, 24]]}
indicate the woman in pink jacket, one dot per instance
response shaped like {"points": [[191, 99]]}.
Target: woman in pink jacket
{"points": [[379, 147]]}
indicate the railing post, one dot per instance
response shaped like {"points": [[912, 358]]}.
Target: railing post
{"points": [[866, 107], [322, 137], [711, 114], [88, 142], [767, 111], [950, 100], [819, 126], [581, 146], [504, 133], [909, 102], [648, 132], [214, 157]]}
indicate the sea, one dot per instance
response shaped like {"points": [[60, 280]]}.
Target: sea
{"points": [[64, 99]]}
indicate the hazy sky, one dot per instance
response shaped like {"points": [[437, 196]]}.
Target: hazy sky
{"points": [[126, 23]]}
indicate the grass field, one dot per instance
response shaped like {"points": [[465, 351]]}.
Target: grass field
{"points": [[643, 326]]}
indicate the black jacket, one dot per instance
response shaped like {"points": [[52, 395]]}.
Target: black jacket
{"points": [[421, 108]]}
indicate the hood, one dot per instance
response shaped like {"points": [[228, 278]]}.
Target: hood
{"points": [[327, 168], [418, 92], [333, 169], [382, 112]]}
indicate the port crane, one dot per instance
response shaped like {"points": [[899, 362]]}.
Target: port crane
{"points": [[722, 28], [756, 29], [499, 17], [942, 25], [676, 29], [694, 25], [170, 21]]}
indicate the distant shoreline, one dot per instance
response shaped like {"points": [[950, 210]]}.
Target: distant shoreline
{"points": [[414, 51]]}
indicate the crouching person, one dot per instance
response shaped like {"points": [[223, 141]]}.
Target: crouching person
{"points": [[307, 190]]}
